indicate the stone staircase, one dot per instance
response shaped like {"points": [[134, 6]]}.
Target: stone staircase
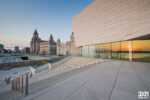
{"points": [[65, 70], [10, 95], [75, 62]]}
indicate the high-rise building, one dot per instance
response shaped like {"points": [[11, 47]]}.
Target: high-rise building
{"points": [[26, 50], [16, 49], [1, 46], [117, 29]]}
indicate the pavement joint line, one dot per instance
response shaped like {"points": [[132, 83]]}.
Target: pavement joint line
{"points": [[52, 87], [115, 81], [139, 76], [60, 83], [83, 84], [59, 69]]}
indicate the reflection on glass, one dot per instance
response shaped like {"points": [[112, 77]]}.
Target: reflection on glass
{"points": [[137, 50], [97, 51], [92, 51], [141, 50], [125, 50], [85, 51], [107, 50], [100, 50], [116, 50]]}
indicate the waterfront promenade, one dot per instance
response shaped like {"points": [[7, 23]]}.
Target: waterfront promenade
{"points": [[109, 80]]}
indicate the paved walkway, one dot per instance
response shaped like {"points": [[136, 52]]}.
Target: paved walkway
{"points": [[113, 80]]}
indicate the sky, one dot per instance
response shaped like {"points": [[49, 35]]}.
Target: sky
{"points": [[19, 19]]}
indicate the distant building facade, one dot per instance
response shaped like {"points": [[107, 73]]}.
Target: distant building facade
{"points": [[38, 46], [9, 51], [26, 50], [35, 43], [1, 48], [16, 49], [48, 47], [68, 48]]}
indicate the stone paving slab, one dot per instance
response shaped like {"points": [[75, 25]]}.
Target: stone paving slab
{"points": [[72, 84], [113, 80]]}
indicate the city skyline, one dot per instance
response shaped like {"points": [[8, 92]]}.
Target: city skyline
{"points": [[19, 19]]}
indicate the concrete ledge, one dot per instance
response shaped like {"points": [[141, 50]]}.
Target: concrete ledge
{"points": [[41, 68], [20, 64]]}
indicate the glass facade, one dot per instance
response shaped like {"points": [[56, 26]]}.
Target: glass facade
{"points": [[124, 52], [141, 50], [107, 50], [136, 50], [116, 50], [85, 51]]}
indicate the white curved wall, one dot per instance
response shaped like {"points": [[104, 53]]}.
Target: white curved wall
{"points": [[111, 20]]}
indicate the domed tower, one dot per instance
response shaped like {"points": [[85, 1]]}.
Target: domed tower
{"points": [[72, 37], [51, 38], [58, 41], [35, 43], [52, 45], [58, 50]]}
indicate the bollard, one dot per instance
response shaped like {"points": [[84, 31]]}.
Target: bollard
{"points": [[26, 91], [22, 85]]}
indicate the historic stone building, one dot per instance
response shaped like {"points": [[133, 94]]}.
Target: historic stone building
{"points": [[38, 46], [68, 48], [35, 43], [48, 47]]}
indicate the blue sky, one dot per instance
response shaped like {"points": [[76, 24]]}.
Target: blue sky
{"points": [[19, 18]]}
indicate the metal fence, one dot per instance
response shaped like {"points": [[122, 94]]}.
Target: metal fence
{"points": [[21, 83]]}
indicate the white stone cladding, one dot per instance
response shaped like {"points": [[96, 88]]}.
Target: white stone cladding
{"points": [[111, 20]]}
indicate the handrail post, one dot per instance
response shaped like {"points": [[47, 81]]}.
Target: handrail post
{"points": [[12, 84], [22, 85], [16, 84], [26, 92], [19, 83]]}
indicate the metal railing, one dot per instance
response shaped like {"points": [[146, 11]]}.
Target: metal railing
{"points": [[21, 83]]}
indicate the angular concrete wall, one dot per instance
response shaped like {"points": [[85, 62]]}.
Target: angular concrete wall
{"points": [[112, 20]]}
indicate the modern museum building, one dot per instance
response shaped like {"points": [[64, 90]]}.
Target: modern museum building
{"points": [[116, 29]]}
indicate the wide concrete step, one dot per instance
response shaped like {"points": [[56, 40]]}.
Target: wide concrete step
{"points": [[42, 84], [10, 95]]}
